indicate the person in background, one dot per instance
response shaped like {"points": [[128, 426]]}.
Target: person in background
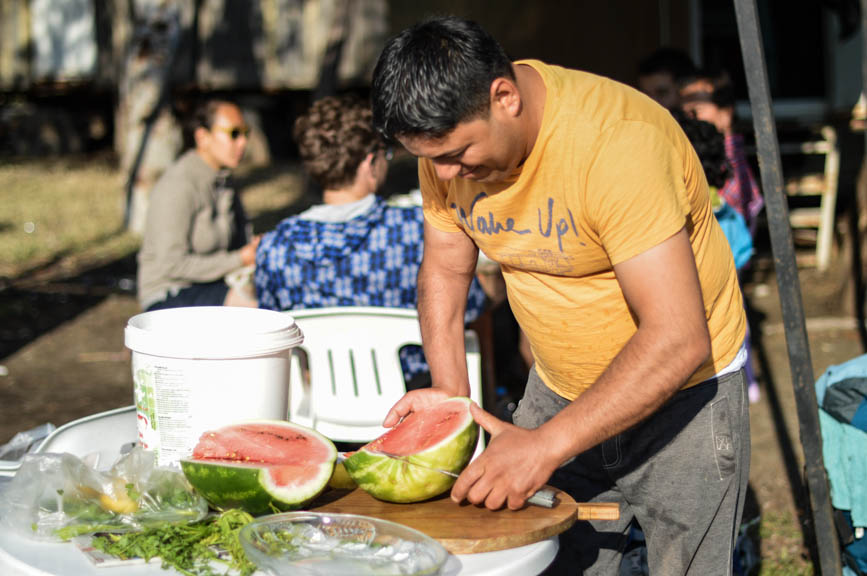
{"points": [[354, 249], [196, 230], [710, 97], [709, 144], [593, 202], [660, 74]]}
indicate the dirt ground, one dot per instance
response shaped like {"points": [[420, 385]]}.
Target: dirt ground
{"points": [[62, 357]]}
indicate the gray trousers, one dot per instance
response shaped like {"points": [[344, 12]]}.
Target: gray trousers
{"points": [[682, 473]]}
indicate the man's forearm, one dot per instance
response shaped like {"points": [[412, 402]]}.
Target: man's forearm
{"points": [[646, 373], [442, 298]]}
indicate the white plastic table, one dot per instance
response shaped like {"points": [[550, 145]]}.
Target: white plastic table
{"points": [[103, 435]]}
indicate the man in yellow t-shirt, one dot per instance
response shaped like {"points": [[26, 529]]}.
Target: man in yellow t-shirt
{"points": [[593, 202]]}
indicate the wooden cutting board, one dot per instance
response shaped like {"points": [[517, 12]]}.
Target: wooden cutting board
{"points": [[467, 529]]}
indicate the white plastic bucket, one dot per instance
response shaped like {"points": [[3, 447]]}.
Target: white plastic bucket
{"points": [[196, 369]]}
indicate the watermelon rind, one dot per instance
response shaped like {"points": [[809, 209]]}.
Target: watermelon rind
{"points": [[231, 484], [399, 481]]}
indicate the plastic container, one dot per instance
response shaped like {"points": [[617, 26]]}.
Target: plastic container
{"points": [[196, 369], [324, 544]]}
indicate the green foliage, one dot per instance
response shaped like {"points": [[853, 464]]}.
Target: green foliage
{"points": [[781, 540], [189, 548]]}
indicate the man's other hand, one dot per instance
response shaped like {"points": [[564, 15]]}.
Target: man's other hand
{"points": [[412, 401]]}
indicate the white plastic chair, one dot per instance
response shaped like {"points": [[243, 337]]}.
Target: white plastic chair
{"points": [[354, 368], [98, 437]]}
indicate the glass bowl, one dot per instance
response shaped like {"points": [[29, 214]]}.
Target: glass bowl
{"points": [[322, 544]]}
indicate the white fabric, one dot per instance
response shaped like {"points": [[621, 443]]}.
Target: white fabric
{"points": [[338, 212], [739, 362]]}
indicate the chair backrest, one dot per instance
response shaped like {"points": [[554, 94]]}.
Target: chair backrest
{"points": [[355, 374]]}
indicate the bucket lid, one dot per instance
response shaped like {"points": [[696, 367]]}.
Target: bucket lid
{"points": [[212, 332]]}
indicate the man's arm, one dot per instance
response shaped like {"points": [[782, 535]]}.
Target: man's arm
{"points": [[444, 278], [662, 289]]}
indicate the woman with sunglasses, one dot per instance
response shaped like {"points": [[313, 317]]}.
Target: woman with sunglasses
{"points": [[196, 229]]}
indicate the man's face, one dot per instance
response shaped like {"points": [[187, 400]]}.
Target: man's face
{"points": [[483, 150], [661, 87], [706, 111], [223, 145], [697, 102]]}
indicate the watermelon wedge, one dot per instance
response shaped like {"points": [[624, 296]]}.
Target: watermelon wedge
{"points": [[442, 436], [261, 465]]}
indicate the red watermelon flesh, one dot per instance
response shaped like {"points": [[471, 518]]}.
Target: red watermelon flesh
{"points": [[422, 430], [260, 465], [260, 444], [441, 436]]}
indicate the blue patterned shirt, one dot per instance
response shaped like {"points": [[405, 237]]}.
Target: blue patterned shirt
{"points": [[370, 260]]}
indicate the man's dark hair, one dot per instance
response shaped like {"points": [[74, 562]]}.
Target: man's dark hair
{"points": [[709, 145], [668, 60], [723, 91], [202, 116], [206, 110], [435, 75]]}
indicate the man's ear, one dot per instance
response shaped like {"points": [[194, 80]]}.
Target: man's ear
{"points": [[200, 134], [505, 95]]}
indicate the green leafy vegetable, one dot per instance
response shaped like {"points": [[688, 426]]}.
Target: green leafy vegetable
{"points": [[189, 548], [132, 491]]}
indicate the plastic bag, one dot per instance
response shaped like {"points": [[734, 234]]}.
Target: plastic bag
{"points": [[23, 442], [58, 496]]}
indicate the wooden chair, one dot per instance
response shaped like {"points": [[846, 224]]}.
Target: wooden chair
{"points": [[820, 185], [355, 375]]}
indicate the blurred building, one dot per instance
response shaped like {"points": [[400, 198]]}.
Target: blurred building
{"points": [[113, 61]]}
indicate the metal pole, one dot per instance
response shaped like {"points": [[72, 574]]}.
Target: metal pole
{"points": [[855, 209], [788, 284]]}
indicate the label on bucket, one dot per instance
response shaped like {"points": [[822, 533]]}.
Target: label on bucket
{"points": [[163, 409], [178, 399]]}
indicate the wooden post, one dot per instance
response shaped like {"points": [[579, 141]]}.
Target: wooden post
{"points": [[749, 33]]}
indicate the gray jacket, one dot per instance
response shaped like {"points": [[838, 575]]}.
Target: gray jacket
{"points": [[194, 229]]}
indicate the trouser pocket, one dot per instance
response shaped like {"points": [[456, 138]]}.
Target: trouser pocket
{"points": [[723, 440]]}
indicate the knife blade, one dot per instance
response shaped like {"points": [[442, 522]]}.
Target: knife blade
{"points": [[544, 497]]}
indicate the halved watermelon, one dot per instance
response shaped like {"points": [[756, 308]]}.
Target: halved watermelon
{"points": [[442, 436], [261, 464]]}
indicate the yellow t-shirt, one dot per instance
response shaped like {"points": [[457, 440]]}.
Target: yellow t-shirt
{"points": [[610, 176]]}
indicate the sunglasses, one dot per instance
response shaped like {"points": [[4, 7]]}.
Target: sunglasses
{"points": [[234, 132]]}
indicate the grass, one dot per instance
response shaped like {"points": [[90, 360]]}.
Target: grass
{"points": [[782, 547], [59, 208], [71, 210]]}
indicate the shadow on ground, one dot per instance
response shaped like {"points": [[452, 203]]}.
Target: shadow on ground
{"points": [[26, 313]]}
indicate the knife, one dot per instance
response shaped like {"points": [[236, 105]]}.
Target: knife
{"points": [[546, 498]]}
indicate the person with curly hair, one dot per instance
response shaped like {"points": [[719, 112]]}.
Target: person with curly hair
{"points": [[354, 249]]}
